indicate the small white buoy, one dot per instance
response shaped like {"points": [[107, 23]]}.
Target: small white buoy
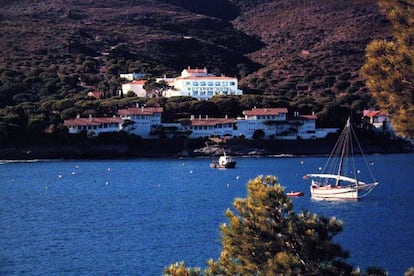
{"points": [[320, 168], [108, 169], [60, 176], [107, 183], [228, 185], [237, 177], [73, 173], [191, 171], [46, 187], [358, 171], [77, 167], [301, 162]]}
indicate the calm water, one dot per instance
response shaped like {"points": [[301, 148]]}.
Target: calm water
{"points": [[138, 216]]}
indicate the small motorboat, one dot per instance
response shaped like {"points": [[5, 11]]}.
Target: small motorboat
{"points": [[224, 162], [295, 194]]}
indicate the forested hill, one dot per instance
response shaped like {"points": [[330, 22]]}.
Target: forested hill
{"points": [[303, 53], [309, 43]]}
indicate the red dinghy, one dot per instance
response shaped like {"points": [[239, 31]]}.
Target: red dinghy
{"points": [[295, 194]]}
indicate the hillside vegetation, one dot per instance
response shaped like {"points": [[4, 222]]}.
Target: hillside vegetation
{"points": [[304, 55]]}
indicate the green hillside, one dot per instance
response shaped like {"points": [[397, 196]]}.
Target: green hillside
{"points": [[304, 55]]}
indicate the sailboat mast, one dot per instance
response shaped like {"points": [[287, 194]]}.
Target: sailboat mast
{"points": [[343, 150]]}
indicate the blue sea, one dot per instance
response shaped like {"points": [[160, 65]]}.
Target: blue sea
{"points": [[138, 216]]}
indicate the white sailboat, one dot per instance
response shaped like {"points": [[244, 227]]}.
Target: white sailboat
{"points": [[339, 177]]}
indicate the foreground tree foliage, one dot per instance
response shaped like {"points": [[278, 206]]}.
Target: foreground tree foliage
{"points": [[389, 68], [267, 237], [409, 272], [179, 269]]}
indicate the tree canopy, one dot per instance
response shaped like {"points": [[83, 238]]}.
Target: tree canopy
{"points": [[389, 67]]}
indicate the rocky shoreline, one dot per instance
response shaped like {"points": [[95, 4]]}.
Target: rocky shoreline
{"points": [[188, 148]]}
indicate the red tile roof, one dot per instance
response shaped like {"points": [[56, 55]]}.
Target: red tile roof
{"points": [[264, 111], [307, 117], [95, 94], [374, 113], [92, 121], [140, 111], [205, 78], [212, 121]]}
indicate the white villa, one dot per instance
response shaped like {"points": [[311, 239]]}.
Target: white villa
{"points": [[276, 124], [93, 125], [198, 83], [269, 120], [141, 121], [206, 127], [306, 128], [380, 120], [136, 86], [132, 76]]}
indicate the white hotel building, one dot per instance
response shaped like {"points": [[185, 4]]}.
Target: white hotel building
{"points": [[273, 122], [199, 84]]}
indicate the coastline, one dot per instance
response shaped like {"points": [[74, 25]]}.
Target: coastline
{"points": [[187, 148]]}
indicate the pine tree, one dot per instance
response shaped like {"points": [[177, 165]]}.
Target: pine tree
{"points": [[268, 238], [389, 67]]}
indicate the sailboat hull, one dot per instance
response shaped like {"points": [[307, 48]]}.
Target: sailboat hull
{"points": [[328, 192], [340, 192]]}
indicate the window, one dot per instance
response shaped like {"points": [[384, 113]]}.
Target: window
{"points": [[195, 83], [217, 83], [225, 83], [232, 83], [202, 83], [210, 83], [188, 83]]}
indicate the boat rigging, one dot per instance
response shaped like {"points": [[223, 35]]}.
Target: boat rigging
{"points": [[339, 178]]}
